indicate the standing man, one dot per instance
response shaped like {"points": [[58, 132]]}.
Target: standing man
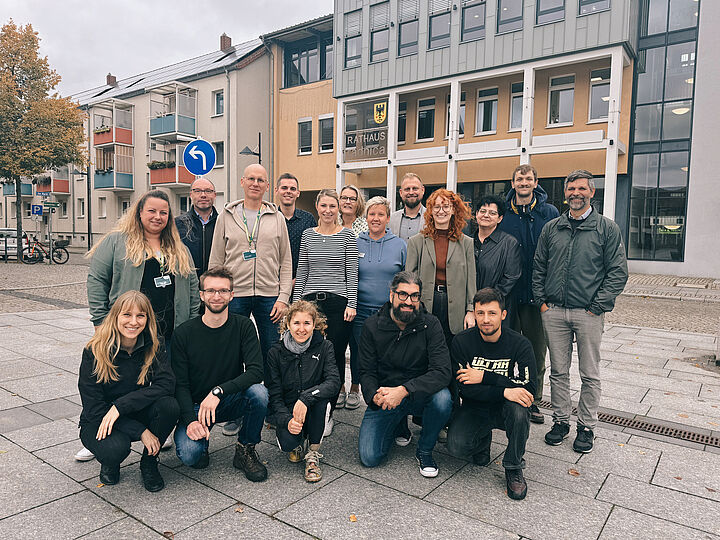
{"points": [[197, 225], [287, 191], [408, 221], [579, 270], [527, 213], [251, 240]]}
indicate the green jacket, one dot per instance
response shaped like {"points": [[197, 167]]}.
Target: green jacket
{"points": [[111, 274], [582, 269]]}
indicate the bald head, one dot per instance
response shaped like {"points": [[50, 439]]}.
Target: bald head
{"points": [[202, 195], [254, 182]]}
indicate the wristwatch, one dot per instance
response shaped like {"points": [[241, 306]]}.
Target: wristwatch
{"points": [[217, 392]]}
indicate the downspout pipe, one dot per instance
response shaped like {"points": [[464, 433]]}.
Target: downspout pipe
{"points": [[228, 153], [271, 168]]}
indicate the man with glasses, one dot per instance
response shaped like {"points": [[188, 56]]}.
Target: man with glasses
{"points": [[404, 369], [197, 225], [408, 221], [251, 239], [287, 191], [218, 369]]}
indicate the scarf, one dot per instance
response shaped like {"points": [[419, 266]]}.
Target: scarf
{"points": [[292, 345]]}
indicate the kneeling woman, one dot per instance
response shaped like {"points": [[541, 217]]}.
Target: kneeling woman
{"points": [[126, 386], [303, 379]]}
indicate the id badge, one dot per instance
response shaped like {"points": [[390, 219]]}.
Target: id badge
{"points": [[163, 281], [249, 255]]}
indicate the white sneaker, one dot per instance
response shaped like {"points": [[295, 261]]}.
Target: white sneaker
{"points": [[329, 425], [84, 455], [167, 444]]}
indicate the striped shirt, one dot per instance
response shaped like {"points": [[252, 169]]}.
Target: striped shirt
{"points": [[328, 263]]}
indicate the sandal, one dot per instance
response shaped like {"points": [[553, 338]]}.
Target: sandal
{"points": [[313, 472]]}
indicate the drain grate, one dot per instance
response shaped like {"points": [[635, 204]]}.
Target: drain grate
{"points": [[649, 427]]}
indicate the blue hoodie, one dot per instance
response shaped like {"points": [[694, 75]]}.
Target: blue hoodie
{"points": [[379, 261]]}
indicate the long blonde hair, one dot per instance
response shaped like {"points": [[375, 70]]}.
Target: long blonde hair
{"points": [[137, 250], [105, 344]]}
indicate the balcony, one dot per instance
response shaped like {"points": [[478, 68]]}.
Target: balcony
{"points": [[170, 175], [26, 189], [113, 123], [113, 181], [173, 113], [114, 168], [57, 182]]}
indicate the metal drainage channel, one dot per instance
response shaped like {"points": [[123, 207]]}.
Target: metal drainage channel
{"points": [[649, 427]]}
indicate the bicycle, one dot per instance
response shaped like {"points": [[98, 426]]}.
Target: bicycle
{"points": [[37, 251]]}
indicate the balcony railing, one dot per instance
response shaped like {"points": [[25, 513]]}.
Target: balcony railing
{"points": [[112, 180], [26, 189]]}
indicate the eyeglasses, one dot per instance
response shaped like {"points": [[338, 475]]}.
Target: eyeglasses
{"points": [[445, 208], [253, 180], [345, 198], [203, 191], [485, 212], [403, 296], [213, 292]]}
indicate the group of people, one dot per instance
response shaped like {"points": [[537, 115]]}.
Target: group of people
{"points": [[444, 327]]}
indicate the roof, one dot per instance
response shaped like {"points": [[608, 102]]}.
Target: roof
{"points": [[185, 70], [300, 31]]}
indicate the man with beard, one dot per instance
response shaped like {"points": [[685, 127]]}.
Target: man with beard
{"points": [[404, 369], [408, 221], [218, 368], [579, 270], [197, 225], [496, 379]]}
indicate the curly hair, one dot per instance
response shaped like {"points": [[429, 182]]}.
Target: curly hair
{"points": [[304, 306], [461, 213]]}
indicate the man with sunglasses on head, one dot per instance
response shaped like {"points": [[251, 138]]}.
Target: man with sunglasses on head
{"points": [[404, 369], [197, 225]]}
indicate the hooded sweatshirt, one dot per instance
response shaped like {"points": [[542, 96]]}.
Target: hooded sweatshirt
{"points": [[378, 262]]}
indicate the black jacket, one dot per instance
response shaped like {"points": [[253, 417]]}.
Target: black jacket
{"points": [[498, 262], [416, 358], [197, 236], [526, 224], [127, 396], [308, 377]]}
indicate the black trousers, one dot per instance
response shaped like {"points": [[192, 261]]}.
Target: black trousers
{"points": [[160, 418], [313, 428], [470, 432], [338, 330]]}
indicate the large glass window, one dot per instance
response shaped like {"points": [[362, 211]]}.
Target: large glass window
{"points": [[599, 94], [408, 38], [473, 21], [308, 61], [402, 122], [549, 11], [651, 73], [461, 116], [510, 16], [647, 122], [562, 100], [486, 122], [593, 6], [426, 119], [680, 71], [676, 120], [516, 106], [655, 13], [305, 137], [439, 34], [683, 14]]}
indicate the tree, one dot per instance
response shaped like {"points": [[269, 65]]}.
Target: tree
{"points": [[38, 130]]}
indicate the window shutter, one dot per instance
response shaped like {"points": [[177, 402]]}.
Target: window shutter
{"points": [[380, 16], [408, 10], [353, 23], [438, 6]]}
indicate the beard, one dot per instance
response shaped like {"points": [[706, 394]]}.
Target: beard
{"points": [[576, 202], [411, 204], [216, 310], [490, 333], [405, 317]]}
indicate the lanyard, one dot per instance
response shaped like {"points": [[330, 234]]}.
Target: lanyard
{"points": [[161, 260], [253, 236]]}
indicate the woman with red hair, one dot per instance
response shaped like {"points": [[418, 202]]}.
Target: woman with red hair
{"points": [[444, 259]]}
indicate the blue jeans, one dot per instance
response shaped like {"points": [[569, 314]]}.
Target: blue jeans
{"points": [[377, 431], [362, 314], [250, 405], [260, 307]]}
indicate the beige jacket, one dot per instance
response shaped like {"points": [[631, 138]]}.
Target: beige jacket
{"points": [[270, 272]]}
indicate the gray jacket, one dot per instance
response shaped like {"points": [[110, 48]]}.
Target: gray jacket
{"points": [[396, 221]]}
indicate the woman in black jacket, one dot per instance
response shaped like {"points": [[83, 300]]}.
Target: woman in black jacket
{"points": [[126, 386], [302, 381]]}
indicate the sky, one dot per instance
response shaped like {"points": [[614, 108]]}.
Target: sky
{"points": [[85, 40]]}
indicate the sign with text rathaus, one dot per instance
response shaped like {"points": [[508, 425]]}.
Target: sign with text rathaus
{"points": [[366, 130]]}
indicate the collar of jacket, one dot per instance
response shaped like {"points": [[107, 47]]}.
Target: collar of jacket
{"points": [[316, 339], [194, 215], [494, 236], [430, 246], [385, 321], [515, 209], [265, 207], [589, 222]]}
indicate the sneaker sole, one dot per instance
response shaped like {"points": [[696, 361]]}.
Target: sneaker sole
{"points": [[582, 451], [83, 459], [540, 420], [427, 474], [401, 441], [517, 497], [351, 407], [557, 443]]}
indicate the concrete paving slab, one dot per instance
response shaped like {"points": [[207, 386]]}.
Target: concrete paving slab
{"points": [[68, 517], [181, 504], [21, 368], [375, 507], [622, 405], [69, 323], [671, 400], [695, 377], [650, 381], [686, 418], [240, 524], [662, 503], [460, 493], [19, 418], [624, 524], [44, 387], [124, 529], [353, 417], [564, 452], [692, 367], [651, 440], [55, 409], [622, 459], [7, 354], [44, 435], [645, 349], [688, 470], [625, 358], [667, 341], [10, 400], [51, 315], [61, 458], [710, 391], [69, 363], [11, 319], [626, 369]]}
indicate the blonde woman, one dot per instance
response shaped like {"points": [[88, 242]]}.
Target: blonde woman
{"points": [[302, 380], [352, 210], [126, 387]]}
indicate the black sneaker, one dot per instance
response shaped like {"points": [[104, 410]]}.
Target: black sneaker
{"points": [[557, 434], [246, 459], [584, 440], [203, 462], [428, 467], [109, 474], [481, 459], [150, 473], [536, 417], [516, 484]]}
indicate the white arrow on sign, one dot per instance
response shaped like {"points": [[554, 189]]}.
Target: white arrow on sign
{"points": [[195, 153]]}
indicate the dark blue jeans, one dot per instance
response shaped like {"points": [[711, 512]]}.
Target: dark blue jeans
{"points": [[362, 314], [377, 431], [249, 405], [260, 308]]}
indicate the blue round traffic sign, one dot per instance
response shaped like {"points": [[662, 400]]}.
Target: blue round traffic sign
{"points": [[199, 157]]}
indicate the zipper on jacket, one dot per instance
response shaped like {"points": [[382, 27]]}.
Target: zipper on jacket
{"points": [[202, 255], [567, 263]]}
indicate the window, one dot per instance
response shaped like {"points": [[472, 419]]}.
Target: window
{"points": [[124, 206], [27, 209], [676, 120], [351, 127], [184, 203], [326, 133], [379, 31], [81, 208], [63, 210], [683, 14], [439, 31], [599, 94], [648, 122], [218, 103], [326, 59], [353, 38], [510, 16], [1, 210], [426, 120], [593, 6], [402, 122], [308, 61], [305, 136], [549, 11], [102, 207], [473, 21], [680, 71], [461, 119], [562, 100], [486, 122], [408, 38], [516, 106], [219, 153]]}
